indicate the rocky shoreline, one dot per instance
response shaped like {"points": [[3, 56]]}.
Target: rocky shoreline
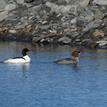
{"points": [[70, 22]]}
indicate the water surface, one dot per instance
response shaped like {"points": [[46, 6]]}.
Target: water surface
{"points": [[43, 83]]}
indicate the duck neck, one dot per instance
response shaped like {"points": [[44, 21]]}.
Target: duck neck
{"points": [[76, 59], [27, 58], [24, 53]]}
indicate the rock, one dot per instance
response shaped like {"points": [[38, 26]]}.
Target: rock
{"points": [[36, 39], [75, 35], [98, 34], [88, 15], [39, 37], [73, 10], [42, 39], [10, 7], [2, 5], [3, 30], [20, 1], [70, 29], [102, 44], [24, 21], [74, 21], [12, 31], [84, 3], [46, 40], [62, 2], [93, 24], [36, 8], [44, 22], [81, 21], [20, 25], [62, 8], [100, 2], [3, 15], [89, 43], [65, 40], [98, 14]]}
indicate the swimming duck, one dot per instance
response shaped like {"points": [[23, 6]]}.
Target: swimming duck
{"points": [[73, 60], [17, 60]]}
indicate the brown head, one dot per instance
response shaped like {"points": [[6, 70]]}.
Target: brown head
{"points": [[75, 53]]}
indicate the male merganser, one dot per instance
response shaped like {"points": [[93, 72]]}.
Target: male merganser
{"points": [[19, 60], [73, 60]]}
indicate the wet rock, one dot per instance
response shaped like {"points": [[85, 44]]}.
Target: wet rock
{"points": [[39, 38], [61, 9], [65, 40], [102, 44], [12, 31], [36, 39], [89, 43]]}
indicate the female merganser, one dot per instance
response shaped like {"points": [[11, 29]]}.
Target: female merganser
{"points": [[73, 60], [18, 60]]}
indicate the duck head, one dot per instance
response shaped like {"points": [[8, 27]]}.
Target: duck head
{"points": [[76, 53], [24, 51]]}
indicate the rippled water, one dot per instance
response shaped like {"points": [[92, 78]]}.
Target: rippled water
{"points": [[46, 84]]}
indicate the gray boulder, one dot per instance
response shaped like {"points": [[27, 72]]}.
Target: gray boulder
{"points": [[100, 2], [20, 1], [102, 44], [62, 8], [3, 15], [2, 5], [10, 7], [65, 40], [84, 3], [93, 24]]}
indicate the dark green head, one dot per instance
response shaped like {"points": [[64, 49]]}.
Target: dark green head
{"points": [[24, 51]]}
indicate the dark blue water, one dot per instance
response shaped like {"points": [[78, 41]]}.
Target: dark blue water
{"points": [[46, 84]]}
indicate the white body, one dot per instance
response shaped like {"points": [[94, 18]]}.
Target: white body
{"points": [[24, 59]]}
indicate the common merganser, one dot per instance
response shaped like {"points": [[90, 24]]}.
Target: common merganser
{"points": [[19, 60], [73, 60]]}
